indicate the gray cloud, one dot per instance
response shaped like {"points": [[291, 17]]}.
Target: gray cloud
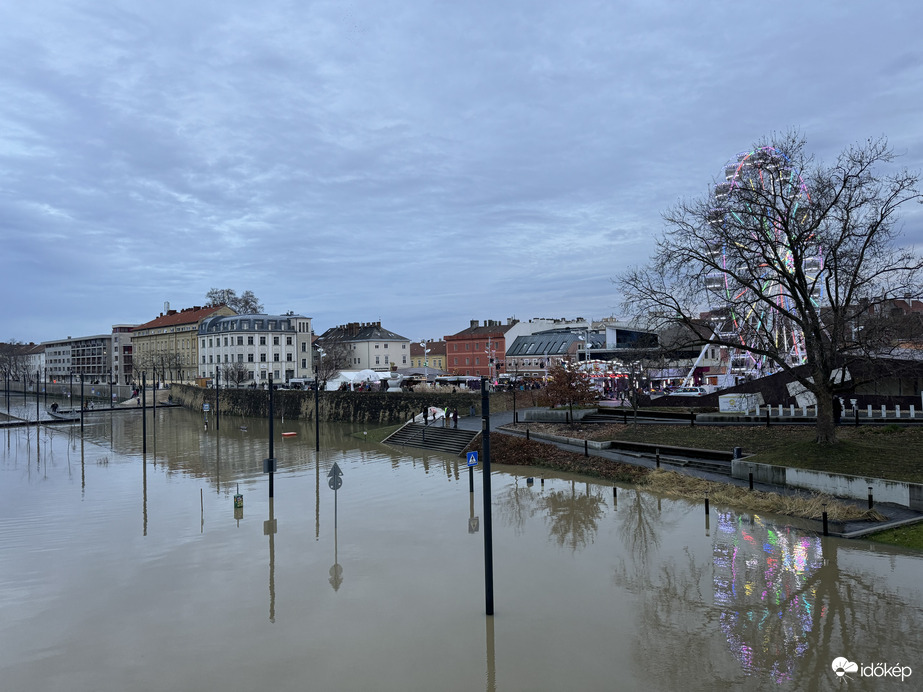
{"points": [[423, 163]]}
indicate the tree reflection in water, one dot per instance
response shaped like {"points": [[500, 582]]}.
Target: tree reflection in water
{"points": [[574, 517]]}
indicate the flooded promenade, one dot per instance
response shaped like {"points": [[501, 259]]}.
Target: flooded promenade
{"points": [[126, 570]]}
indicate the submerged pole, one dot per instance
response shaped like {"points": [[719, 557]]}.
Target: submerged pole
{"points": [[488, 527]]}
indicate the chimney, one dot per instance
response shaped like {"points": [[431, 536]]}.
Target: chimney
{"points": [[474, 323]]}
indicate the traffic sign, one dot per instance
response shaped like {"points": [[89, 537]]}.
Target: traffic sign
{"points": [[336, 477], [472, 458]]}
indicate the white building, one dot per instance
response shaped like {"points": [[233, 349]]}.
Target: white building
{"points": [[367, 345], [247, 349]]}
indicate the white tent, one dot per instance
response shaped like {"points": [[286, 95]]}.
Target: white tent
{"points": [[354, 377]]}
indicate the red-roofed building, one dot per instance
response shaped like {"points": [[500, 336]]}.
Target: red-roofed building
{"points": [[478, 351], [168, 344]]}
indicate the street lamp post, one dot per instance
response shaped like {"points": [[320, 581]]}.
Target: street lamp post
{"points": [[317, 369], [425, 364]]}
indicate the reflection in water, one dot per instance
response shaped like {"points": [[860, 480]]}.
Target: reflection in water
{"points": [[270, 527], [573, 517], [764, 587], [751, 606]]}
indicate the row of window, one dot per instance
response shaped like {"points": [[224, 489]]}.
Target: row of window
{"points": [[250, 358], [240, 341]]}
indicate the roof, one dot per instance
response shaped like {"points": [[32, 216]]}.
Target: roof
{"points": [[185, 316], [360, 331], [554, 342], [489, 328], [435, 348]]}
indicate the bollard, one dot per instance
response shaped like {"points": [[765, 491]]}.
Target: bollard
{"points": [[751, 480], [706, 502], [527, 433], [871, 500], [586, 448], [856, 412], [530, 481], [692, 419], [767, 417], [658, 457], [826, 532], [543, 481], [615, 491]]}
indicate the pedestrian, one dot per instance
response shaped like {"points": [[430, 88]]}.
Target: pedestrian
{"points": [[455, 418], [425, 417]]}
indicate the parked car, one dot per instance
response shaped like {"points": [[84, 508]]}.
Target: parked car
{"points": [[689, 391]]}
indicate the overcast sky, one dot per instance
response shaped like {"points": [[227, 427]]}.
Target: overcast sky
{"points": [[422, 163]]}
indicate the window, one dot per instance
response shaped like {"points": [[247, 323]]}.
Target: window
{"points": [[210, 359], [262, 341], [240, 341], [262, 357], [225, 341], [249, 358], [304, 363], [377, 361], [386, 360], [225, 357], [203, 360], [456, 361], [203, 343], [275, 341], [288, 341], [467, 347], [386, 345], [304, 346], [209, 342], [288, 357], [240, 357], [467, 361], [275, 357], [405, 360], [477, 361], [249, 341]]}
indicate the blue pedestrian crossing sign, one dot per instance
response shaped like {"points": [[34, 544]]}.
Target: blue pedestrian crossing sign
{"points": [[472, 458]]}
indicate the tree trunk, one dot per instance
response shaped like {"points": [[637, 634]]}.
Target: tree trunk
{"points": [[826, 430]]}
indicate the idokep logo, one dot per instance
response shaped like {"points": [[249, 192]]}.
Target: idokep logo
{"points": [[844, 668]]}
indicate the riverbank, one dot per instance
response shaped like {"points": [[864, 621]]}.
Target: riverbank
{"points": [[517, 451]]}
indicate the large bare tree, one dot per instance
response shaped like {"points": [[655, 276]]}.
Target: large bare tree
{"points": [[244, 304], [790, 257]]}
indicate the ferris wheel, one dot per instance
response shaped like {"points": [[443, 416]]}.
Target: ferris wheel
{"points": [[761, 199]]}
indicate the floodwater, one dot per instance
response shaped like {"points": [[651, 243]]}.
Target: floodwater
{"points": [[129, 571]]}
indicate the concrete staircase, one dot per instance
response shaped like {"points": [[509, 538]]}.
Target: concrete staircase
{"points": [[435, 437]]}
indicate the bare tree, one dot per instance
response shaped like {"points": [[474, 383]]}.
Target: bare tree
{"points": [[14, 361], [236, 373], [244, 304], [335, 357], [788, 254]]}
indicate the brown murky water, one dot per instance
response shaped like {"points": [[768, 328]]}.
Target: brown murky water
{"points": [[123, 571]]}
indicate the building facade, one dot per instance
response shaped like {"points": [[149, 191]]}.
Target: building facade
{"points": [[433, 356], [167, 347], [366, 345], [248, 349], [479, 350]]}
